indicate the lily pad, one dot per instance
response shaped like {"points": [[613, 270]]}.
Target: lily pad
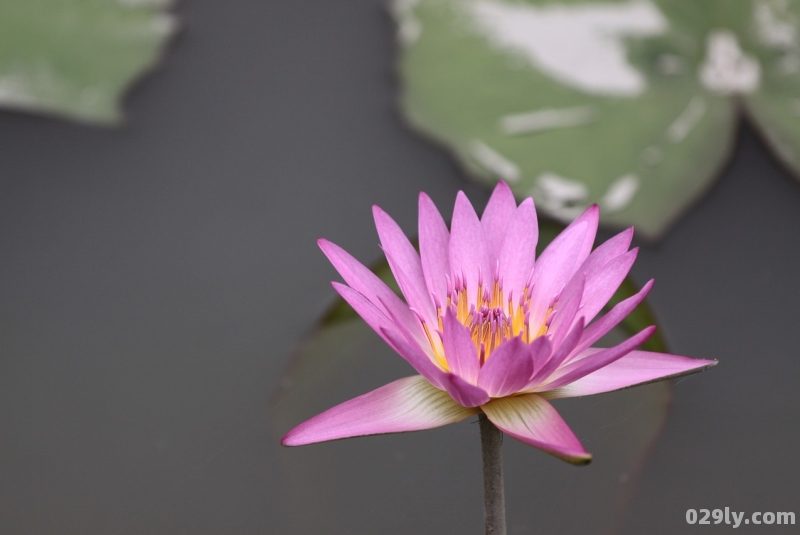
{"points": [[435, 474], [75, 58], [631, 104]]}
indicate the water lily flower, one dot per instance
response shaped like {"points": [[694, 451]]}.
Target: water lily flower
{"points": [[491, 328]]}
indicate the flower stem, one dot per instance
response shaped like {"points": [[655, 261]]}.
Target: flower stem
{"points": [[494, 508]]}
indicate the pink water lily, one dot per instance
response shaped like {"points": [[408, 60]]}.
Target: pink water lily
{"points": [[490, 328]]}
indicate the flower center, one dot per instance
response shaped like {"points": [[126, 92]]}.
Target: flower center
{"points": [[489, 327], [491, 319]]}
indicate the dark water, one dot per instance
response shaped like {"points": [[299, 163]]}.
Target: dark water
{"points": [[154, 282]]}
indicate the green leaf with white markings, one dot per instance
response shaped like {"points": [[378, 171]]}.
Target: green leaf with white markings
{"points": [[75, 58], [630, 104]]}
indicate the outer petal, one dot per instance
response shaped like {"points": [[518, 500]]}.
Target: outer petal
{"points": [[403, 258], [599, 328], [566, 311], [541, 351], [370, 313], [635, 368], [460, 352], [496, 217], [464, 393], [518, 251], [582, 367], [408, 404], [365, 282], [591, 216], [599, 272], [602, 283], [608, 250], [419, 301], [533, 420], [415, 356], [468, 252], [398, 338], [434, 247], [559, 355], [553, 270], [507, 370]]}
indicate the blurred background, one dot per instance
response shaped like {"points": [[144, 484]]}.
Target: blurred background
{"points": [[156, 281]]}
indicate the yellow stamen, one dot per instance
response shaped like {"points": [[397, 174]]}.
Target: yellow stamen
{"points": [[491, 320], [435, 345]]}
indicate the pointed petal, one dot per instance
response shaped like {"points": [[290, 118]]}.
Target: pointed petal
{"points": [[507, 370], [468, 252], [553, 270], [460, 352], [406, 343], [541, 350], [611, 319], [403, 258], [608, 250], [635, 368], [518, 251], [370, 313], [496, 217], [560, 354], [591, 216], [417, 296], [567, 307], [434, 247], [582, 367], [533, 420], [464, 393], [416, 356], [365, 282], [602, 283], [408, 404]]}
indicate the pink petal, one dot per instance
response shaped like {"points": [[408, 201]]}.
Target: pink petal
{"points": [[507, 369], [434, 247], [403, 258], [608, 250], [460, 352], [496, 217], [365, 282], [469, 255], [464, 393], [531, 419], [591, 216], [582, 367], [600, 328], [408, 404], [541, 350], [635, 368], [518, 251], [370, 313], [419, 300], [404, 342], [567, 307], [553, 270], [412, 351], [560, 353], [602, 283]]}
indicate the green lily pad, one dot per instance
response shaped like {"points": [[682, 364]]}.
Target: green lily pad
{"points": [[75, 58], [631, 104], [433, 474]]}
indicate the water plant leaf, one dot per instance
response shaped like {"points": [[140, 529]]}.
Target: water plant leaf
{"points": [[631, 104], [75, 58]]}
